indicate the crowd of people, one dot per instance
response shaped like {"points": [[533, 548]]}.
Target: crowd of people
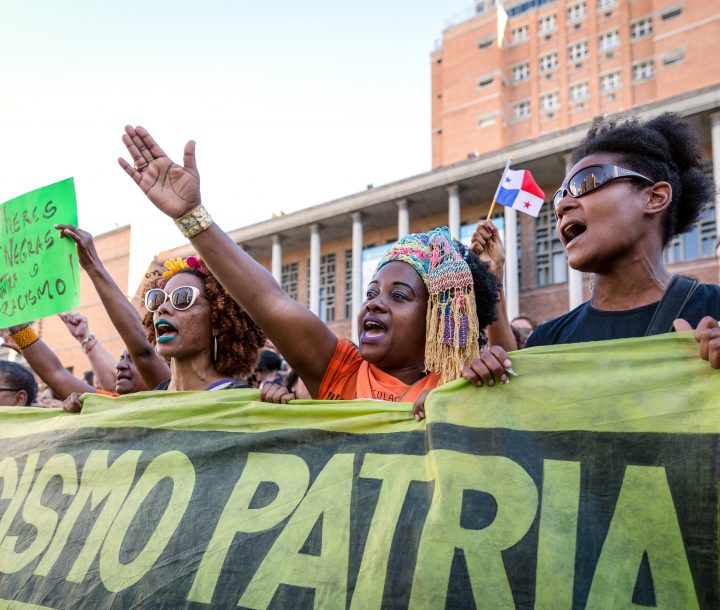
{"points": [[433, 312]]}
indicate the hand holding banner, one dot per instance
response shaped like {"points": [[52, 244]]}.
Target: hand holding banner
{"points": [[40, 274]]}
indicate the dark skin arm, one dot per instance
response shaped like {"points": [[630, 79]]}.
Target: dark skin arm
{"points": [[304, 340], [47, 365], [103, 364], [125, 318]]}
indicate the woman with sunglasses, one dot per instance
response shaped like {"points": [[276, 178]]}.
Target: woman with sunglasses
{"points": [[633, 187], [199, 329]]}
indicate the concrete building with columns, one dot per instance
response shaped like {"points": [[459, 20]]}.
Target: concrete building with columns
{"points": [[317, 254], [523, 79]]}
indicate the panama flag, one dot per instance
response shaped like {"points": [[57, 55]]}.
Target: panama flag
{"points": [[518, 190]]}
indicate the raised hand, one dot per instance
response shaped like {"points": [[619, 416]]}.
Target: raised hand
{"points": [[707, 334], [76, 323], [174, 189], [87, 255], [487, 245]]}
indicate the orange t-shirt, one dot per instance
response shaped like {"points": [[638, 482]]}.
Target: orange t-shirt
{"points": [[348, 377], [106, 393]]}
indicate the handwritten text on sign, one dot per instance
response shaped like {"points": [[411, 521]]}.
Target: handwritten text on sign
{"points": [[39, 272]]}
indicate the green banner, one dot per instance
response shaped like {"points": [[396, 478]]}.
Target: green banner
{"points": [[589, 481], [40, 274]]}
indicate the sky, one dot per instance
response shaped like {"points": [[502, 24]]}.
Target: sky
{"points": [[292, 104]]}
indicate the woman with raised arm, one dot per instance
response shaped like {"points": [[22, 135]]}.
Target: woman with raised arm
{"points": [[418, 326], [125, 318]]}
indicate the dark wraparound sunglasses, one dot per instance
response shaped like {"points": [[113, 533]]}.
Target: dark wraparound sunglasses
{"points": [[182, 298], [592, 177]]}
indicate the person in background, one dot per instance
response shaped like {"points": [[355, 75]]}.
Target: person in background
{"points": [[523, 326], [268, 369], [47, 398], [103, 364], [17, 385]]}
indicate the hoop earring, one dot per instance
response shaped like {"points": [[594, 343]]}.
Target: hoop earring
{"points": [[215, 348]]}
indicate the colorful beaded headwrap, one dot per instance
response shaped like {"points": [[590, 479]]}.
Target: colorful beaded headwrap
{"points": [[452, 327]]}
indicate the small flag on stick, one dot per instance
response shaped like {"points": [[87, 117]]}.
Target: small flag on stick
{"points": [[518, 190]]}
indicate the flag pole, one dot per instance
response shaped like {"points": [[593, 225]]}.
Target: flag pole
{"points": [[492, 205]]}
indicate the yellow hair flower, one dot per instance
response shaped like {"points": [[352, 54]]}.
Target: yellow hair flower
{"points": [[175, 265]]}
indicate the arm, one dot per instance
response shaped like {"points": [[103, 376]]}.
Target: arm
{"points": [[487, 245], [123, 315], [49, 368], [102, 362], [304, 340]]}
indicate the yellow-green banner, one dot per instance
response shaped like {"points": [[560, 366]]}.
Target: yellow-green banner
{"points": [[589, 481]]}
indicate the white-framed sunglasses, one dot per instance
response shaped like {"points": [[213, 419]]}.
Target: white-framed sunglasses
{"points": [[182, 298]]}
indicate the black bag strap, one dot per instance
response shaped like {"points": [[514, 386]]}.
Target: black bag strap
{"points": [[676, 296]]}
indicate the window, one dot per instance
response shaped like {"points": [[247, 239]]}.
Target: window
{"points": [[674, 57], [609, 40], [579, 91], [698, 242], [486, 120], [672, 13], [485, 81], [548, 62], [521, 72], [547, 24], [327, 287], [550, 101], [348, 284], [576, 12], [610, 81], [289, 280], [486, 42], [643, 70], [641, 28], [523, 7], [519, 34], [550, 260], [521, 110], [578, 51], [605, 5]]}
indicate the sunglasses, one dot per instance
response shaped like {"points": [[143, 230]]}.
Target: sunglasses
{"points": [[591, 178], [9, 389], [182, 298]]}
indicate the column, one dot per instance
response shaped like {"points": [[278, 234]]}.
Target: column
{"points": [[315, 269], [403, 218], [575, 278], [454, 210], [277, 258], [512, 285], [357, 287], [715, 140]]}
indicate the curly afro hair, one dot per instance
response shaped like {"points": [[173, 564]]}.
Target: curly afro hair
{"points": [[664, 148], [239, 339], [485, 287]]}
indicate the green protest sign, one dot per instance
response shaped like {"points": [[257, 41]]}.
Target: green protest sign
{"points": [[40, 273], [589, 481]]}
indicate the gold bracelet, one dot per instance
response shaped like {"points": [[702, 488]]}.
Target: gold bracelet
{"points": [[194, 221], [25, 337]]}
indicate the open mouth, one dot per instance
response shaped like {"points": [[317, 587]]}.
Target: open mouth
{"points": [[164, 331], [572, 230], [372, 329]]}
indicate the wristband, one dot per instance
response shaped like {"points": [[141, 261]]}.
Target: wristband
{"points": [[25, 337], [194, 221], [89, 337]]}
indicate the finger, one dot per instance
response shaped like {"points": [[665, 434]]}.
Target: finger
{"points": [[419, 406], [494, 362], [714, 353], [287, 397], [471, 374], [131, 143], [681, 325], [150, 143], [130, 170], [146, 155], [707, 332], [189, 157]]}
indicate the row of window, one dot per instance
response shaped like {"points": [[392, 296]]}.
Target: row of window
{"points": [[550, 260], [548, 24]]}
